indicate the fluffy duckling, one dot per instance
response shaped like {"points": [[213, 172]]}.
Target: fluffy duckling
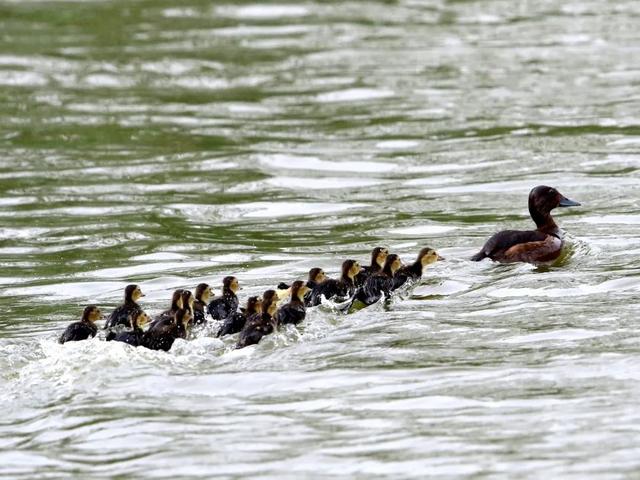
{"points": [[162, 335], [203, 295], [85, 328], [236, 321], [294, 311], [380, 283], [135, 335], [221, 307], [413, 272], [341, 289], [176, 304], [316, 277], [378, 257], [122, 315], [260, 324], [541, 245]]}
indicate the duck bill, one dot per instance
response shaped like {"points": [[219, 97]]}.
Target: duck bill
{"points": [[440, 258], [565, 202]]}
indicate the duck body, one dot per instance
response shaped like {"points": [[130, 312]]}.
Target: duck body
{"points": [[162, 335], [85, 328], [123, 314], [293, 312], [257, 326], [237, 320], [133, 337], [79, 331], [542, 245], [223, 306], [381, 283]]}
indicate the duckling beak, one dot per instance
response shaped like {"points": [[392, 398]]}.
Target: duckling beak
{"points": [[439, 258], [565, 202]]}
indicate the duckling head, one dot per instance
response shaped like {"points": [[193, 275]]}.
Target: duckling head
{"points": [[176, 300], [392, 264], [254, 305], [141, 320], [317, 275], [379, 256], [132, 293], [270, 302], [187, 300], [91, 314], [352, 268], [427, 256], [299, 289], [230, 284], [204, 292]]}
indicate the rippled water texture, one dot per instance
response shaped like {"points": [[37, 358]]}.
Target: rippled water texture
{"points": [[169, 143]]}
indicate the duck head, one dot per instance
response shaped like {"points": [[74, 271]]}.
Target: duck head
{"points": [[298, 290], [543, 199], [254, 305], [91, 314], [317, 275], [379, 256], [427, 256], [204, 292], [132, 293], [392, 264]]}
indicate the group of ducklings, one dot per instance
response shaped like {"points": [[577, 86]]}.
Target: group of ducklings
{"points": [[262, 315]]}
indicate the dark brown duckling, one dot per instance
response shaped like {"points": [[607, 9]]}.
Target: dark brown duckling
{"points": [[235, 322], [339, 290], [134, 336], [378, 257], [543, 244], [203, 295], [176, 304], [122, 315], [413, 272], [162, 335], [260, 324], [223, 306], [294, 311], [85, 328], [380, 283]]}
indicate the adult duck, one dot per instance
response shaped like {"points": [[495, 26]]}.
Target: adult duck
{"points": [[541, 245]]}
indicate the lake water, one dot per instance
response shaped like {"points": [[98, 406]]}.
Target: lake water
{"points": [[167, 143]]}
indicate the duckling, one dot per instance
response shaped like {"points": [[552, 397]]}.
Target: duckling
{"points": [[294, 311], [413, 272], [176, 304], [220, 308], [260, 324], [342, 289], [316, 277], [122, 315], [378, 257], [203, 294], [162, 335], [135, 335], [83, 329], [236, 321], [541, 245], [381, 282]]}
